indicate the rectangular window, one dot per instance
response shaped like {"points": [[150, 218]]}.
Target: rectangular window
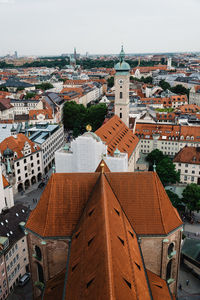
{"points": [[120, 115], [18, 164], [120, 95]]}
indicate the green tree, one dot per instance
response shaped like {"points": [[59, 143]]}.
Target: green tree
{"points": [[175, 200], [191, 197], [155, 156], [167, 172], [180, 90], [110, 81], [3, 88], [44, 86], [164, 85], [30, 95], [76, 116]]}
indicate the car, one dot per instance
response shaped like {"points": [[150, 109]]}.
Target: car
{"points": [[41, 185], [24, 279]]}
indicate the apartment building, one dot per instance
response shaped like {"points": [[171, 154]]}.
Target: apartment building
{"points": [[187, 162], [15, 251], [49, 138], [22, 161], [167, 138]]}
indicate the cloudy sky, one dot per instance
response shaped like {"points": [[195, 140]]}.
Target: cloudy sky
{"points": [[48, 27]]}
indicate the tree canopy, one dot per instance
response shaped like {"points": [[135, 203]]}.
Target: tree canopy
{"points": [[110, 81], [164, 167], [44, 86], [191, 197], [76, 116], [30, 95], [175, 200], [164, 85]]}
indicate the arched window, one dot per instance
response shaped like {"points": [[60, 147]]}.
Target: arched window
{"points": [[38, 253], [170, 249], [169, 270], [40, 273]]}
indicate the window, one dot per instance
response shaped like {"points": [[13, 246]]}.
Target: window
{"points": [[37, 154], [193, 172], [192, 178], [25, 168], [16, 246], [120, 115], [31, 157], [186, 171], [120, 95], [31, 164], [186, 165], [26, 174], [179, 165], [18, 171], [169, 270], [25, 160], [38, 162], [18, 164], [38, 168], [19, 178], [32, 171]]}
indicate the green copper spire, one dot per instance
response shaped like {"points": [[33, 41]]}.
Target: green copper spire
{"points": [[122, 55], [9, 171]]}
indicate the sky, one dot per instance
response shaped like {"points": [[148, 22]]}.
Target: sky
{"points": [[53, 27]]}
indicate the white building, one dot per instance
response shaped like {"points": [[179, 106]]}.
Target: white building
{"points": [[187, 162], [22, 107], [49, 138], [22, 162], [85, 153]]}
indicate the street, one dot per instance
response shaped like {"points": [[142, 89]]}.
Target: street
{"points": [[22, 293]]}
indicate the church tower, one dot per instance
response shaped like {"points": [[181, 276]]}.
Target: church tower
{"points": [[122, 81]]}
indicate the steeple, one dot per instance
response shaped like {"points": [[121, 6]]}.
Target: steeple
{"points": [[122, 55]]}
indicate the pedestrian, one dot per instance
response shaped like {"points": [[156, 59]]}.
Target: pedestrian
{"points": [[187, 282], [180, 286]]}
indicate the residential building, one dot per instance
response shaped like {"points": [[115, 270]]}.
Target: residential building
{"points": [[167, 138], [13, 84], [4, 244], [15, 249], [22, 107], [120, 139], [195, 95], [6, 110], [22, 161], [93, 234], [187, 162], [40, 115], [49, 138]]}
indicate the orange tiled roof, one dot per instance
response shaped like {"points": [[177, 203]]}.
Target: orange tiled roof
{"points": [[105, 259], [17, 145], [149, 69], [159, 287], [5, 182], [189, 108], [165, 116], [117, 135], [140, 194], [190, 155], [35, 112]]}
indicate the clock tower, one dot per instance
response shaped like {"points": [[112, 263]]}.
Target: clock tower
{"points": [[122, 80]]}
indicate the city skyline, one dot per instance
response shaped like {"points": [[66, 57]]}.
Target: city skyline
{"points": [[48, 28]]}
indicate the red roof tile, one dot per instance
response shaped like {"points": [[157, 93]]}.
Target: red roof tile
{"points": [[117, 135], [190, 155]]}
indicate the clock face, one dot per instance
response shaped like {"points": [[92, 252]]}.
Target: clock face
{"points": [[121, 81]]}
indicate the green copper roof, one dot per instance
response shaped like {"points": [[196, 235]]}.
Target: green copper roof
{"points": [[122, 65]]}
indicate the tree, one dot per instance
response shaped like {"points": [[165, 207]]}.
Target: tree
{"points": [[44, 86], [155, 156], [110, 81], [76, 116], [164, 85], [30, 95], [180, 90], [3, 88], [167, 172], [175, 200], [191, 197]]}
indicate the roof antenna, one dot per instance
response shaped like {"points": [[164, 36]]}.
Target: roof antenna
{"points": [[102, 167], [154, 166]]}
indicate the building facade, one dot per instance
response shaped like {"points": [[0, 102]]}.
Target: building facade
{"points": [[22, 162]]}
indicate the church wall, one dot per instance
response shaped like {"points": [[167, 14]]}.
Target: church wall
{"points": [[156, 258], [53, 258]]}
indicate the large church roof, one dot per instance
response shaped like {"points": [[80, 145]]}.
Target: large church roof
{"points": [[141, 196]]}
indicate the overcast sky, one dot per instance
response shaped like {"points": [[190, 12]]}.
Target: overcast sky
{"points": [[48, 27]]}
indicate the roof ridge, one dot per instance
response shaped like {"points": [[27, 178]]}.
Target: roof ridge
{"points": [[50, 192], [108, 243], [159, 204]]}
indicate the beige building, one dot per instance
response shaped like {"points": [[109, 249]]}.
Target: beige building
{"points": [[195, 95], [14, 243], [4, 243], [187, 162], [122, 82]]}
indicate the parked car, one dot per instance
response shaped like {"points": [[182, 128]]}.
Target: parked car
{"points": [[24, 279], [41, 185]]}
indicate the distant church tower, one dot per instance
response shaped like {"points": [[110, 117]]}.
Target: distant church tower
{"points": [[122, 80], [169, 63]]}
